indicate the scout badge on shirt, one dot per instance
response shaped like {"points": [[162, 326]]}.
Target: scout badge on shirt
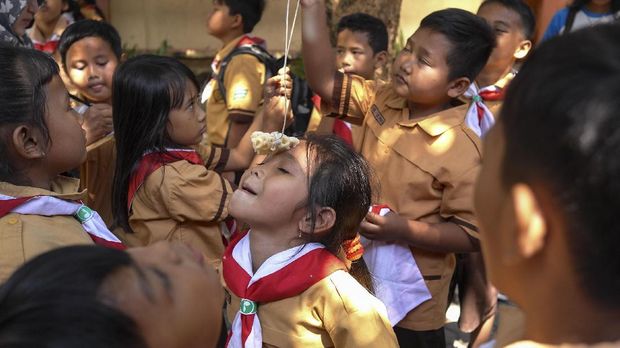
{"points": [[398, 281], [283, 275], [52, 206]]}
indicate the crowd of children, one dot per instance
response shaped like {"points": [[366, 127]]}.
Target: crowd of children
{"points": [[125, 222]]}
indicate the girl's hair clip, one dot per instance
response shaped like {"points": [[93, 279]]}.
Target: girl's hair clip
{"points": [[272, 143], [353, 248]]}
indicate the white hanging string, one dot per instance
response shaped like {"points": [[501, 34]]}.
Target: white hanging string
{"points": [[288, 38]]}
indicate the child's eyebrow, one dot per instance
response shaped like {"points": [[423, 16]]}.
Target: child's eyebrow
{"points": [[165, 280]]}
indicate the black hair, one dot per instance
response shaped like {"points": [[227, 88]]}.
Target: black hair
{"points": [[24, 73], [55, 300], [471, 37], [372, 26], [341, 180], [562, 132], [89, 28], [251, 11], [579, 4], [145, 89], [520, 7]]}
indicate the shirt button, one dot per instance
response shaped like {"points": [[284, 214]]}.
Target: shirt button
{"points": [[12, 221]]}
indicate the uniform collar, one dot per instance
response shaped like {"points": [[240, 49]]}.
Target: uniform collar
{"points": [[435, 124], [62, 187]]}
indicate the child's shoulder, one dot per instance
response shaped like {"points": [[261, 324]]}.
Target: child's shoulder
{"points": [[340, 289], [62, 187]]}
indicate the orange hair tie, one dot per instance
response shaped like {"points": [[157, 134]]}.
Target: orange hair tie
{"points": [[353, 248]]}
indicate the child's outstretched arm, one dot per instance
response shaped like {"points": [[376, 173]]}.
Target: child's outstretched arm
{"points": [[319, 57], [444, 237], [269, 119]]}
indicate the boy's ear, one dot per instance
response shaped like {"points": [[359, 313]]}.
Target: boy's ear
{"points": [[380, 59], [237, 22], [65, 6], [458, 86], [530, 222], [28, 142], [325, 220], [523, 49]]}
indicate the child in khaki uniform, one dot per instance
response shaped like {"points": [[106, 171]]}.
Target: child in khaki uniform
{"points": [[165, 188], [229, 117], [513, 23], [424, 156], [39, 209], [361, 49], [297, 277], [90, 52]]}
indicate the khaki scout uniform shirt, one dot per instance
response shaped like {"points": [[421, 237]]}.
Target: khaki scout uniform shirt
{"points": [[426, 168], [23, 237], [185, 202], [97, 175], [335, 312], [244, 80]]}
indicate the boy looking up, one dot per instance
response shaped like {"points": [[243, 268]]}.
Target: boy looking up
{"points": [[423, 154]]}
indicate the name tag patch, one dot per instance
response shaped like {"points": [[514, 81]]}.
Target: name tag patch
{"points": [[377, 115]]}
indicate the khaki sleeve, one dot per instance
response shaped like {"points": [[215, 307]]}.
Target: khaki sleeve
{"points": [[353, 318], [214, 158], [457, 202], [194, 193], [352, 98], [244, 80]]}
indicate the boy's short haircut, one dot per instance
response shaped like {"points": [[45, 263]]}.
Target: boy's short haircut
{"points": [[528, 21], [250, 10], [562, 133], [370, 25], [89, 28], [471, 37]]}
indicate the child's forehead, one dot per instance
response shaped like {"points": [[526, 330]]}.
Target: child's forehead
{"points": [[91, 43], [431, 40], [362, 37], [496, 12]]}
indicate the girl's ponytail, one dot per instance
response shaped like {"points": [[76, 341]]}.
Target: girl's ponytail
{"points": [[341, 181]]}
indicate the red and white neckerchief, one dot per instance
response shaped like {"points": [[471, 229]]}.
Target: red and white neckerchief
{"points": [[399, 284], [152, 161], [283, 275], [49, 46], [52, 206], [479, 118]]}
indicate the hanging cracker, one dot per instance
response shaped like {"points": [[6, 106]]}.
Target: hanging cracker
{"points": [[272, 143]]}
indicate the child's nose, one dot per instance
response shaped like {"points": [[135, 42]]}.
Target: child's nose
{"points": [[406, 64]]}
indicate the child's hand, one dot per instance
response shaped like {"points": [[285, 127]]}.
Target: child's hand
{"points": [[97, 122], [278, 89], [390, 227]]}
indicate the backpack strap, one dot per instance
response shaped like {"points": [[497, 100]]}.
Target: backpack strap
{"points": [[252, 49]]}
